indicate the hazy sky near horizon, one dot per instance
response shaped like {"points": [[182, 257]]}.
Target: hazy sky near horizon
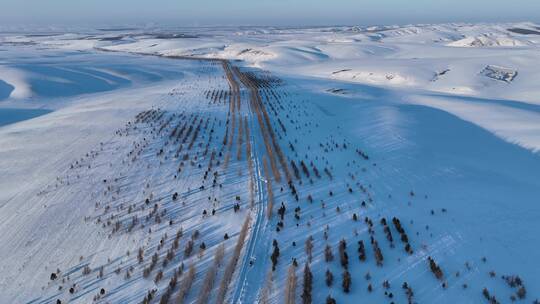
{"points": [[265, 12]]}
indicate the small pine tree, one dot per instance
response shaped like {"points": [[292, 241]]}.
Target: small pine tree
{"points": [[308, 282], [329, 278], [328, 255], [346, 284], [330, 300]]}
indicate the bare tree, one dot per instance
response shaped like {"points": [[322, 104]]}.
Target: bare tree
{"points": [[267, 290], [290, 285], [186, 284], [231, 266], [208, 282], [309, 248], [270, 204], [140, 255]]}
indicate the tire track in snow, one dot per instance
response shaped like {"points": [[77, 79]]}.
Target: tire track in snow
{"points": [[241, 292]]}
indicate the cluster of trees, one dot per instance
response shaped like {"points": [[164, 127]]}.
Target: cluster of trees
{"points": [[86, 270], [153, 263], [295, 170], [386, 286], [387, 232], [273, 149], [308, 285], [149, 296], [362, 154], [491, 298], [297, 213], [148, 116], [315, 170], [250, 164], [100, 294], [408, 292], [293, 190], [377, 252], [187, 131], [436, 269], [369, 223], [515, 281], [404, 237], [186, 284], [270, 202], [211, 274], [165, 297], [361, 251], [216, 96], [304, 168], [207, 282], [344, 260], [240, 139]]}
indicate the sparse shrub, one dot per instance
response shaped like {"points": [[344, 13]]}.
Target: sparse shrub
{"points": [[86, 270]]}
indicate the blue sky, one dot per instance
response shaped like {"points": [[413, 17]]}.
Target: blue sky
{"points": [[264, 12]]}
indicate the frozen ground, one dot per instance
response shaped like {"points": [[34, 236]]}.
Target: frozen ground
{"points": [[157, 179]]}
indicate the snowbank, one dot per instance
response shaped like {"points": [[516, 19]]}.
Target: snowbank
{"points": [[18, 80]]}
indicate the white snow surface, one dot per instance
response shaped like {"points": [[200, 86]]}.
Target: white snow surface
{"points": [[416, 57], [449, 115], [17, 80]]}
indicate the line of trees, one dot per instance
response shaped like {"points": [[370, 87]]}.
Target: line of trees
{"points": [[231, 266], [187, 282], [290, 285]]}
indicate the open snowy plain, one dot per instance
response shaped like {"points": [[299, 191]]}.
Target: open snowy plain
{"points": [[388, 164]]}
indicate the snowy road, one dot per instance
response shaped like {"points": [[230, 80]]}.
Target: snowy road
{"points": [[255, 262]]}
